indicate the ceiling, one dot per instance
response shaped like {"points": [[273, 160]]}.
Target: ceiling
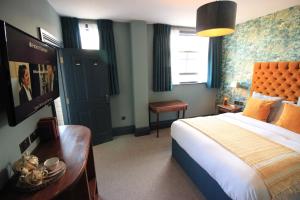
{"points": [[174, 12]]}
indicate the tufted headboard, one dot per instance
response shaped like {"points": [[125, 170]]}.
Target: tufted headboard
{"points": [[277, 79]]}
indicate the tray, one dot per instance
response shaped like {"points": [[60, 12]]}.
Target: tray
{"points": [[52, 177]]}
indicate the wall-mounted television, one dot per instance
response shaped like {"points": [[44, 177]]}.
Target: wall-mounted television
{"points": [[29, 74]]}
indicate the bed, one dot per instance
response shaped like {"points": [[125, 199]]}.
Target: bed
{"points": [[217, 172]]}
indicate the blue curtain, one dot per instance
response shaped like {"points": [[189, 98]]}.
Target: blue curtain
{"points": [[161, 58], [214, 62], [70, 32], [107, 43]]}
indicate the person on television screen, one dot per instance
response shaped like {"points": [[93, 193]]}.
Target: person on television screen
{"points": [[24, 81], [51, 78]]}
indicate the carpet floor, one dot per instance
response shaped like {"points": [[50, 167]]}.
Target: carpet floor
{"points": [[141, 168]]}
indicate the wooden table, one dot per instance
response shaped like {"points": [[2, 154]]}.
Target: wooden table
{"points": [[166, 106], [229, 108], [79, 182]]}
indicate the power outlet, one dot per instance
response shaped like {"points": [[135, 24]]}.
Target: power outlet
{"points": [[33, 136], [24, 144]]}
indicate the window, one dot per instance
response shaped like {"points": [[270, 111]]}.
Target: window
{"points": [[189, 57], [89, 35]]}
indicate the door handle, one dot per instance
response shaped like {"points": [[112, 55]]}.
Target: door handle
{"points": [[67, 101], [77, 63], [107, 98]]}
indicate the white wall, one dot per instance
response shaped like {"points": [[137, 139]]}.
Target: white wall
{"points": [[200, 99], [122, 104], [26, 15]]}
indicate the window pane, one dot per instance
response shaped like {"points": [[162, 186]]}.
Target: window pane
{"points": [[89, 35], [189, 57]]}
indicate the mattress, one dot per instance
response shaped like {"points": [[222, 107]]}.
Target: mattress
{"points": [[235, 177]]}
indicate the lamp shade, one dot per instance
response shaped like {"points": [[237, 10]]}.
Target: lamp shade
{"points": [[216, 18]]}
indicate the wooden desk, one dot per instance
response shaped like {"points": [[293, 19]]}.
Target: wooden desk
{"points": [[166, 106], [79, 182]]}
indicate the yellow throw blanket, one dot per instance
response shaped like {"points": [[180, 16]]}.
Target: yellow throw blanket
{"points": [[277, 165]]}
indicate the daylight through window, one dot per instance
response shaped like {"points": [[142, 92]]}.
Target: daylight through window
{"points": [[189, 57], [89, 35]]}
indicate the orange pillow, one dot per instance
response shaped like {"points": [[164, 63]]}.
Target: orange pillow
{"points": [[290, 117], [258, 109]]}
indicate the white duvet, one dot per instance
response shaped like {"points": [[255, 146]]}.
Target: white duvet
{"points": [[237, 179]]}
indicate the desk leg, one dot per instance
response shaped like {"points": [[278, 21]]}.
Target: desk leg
{"points": [[183, 114], [157, 124], [178, 112], [149, 114]]}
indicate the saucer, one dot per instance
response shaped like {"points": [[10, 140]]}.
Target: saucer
{"points": [[60, 167]]}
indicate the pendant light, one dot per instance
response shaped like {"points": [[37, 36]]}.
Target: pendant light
{"points": [[216, 18]]}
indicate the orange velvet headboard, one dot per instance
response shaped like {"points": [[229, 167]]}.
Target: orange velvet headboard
{"points": [[277, 79]]}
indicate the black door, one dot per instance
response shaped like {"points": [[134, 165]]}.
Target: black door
{"points": [[86, 92]]}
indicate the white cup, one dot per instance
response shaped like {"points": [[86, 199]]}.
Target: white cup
{"points": [[51, 163]]}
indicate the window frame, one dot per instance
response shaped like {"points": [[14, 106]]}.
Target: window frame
{"points": [[96, 41], [182, 31]]}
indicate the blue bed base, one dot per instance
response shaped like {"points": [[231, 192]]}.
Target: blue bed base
{"points": [[204, 182]]}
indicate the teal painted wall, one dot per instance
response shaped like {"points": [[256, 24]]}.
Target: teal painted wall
{"points": [[26, 15], [139, 55], [200, 99], [30, 14], [274, 37], [122, 105]]}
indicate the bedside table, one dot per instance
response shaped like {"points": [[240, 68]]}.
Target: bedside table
{"points": [[228, 108]]}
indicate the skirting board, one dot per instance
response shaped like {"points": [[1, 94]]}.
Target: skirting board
{"points": [[104, 137], [142, 131], [118, 131], [123, 130], [168, 123], [162, 124]]}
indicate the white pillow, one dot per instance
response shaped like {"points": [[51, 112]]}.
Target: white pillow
{"points": [[258, 95], [275, 107], [280, 110], [298, 104]]}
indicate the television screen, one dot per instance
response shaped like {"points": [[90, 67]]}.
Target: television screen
{"points": [[29, 68]]}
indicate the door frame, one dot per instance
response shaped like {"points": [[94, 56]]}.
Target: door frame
{"points": [[64, 95], [62, 92]]}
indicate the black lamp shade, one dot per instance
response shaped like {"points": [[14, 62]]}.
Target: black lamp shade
{"points": [[216, 18]]}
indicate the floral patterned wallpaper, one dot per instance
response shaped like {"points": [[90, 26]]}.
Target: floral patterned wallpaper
{"points": [[274, 37]]}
